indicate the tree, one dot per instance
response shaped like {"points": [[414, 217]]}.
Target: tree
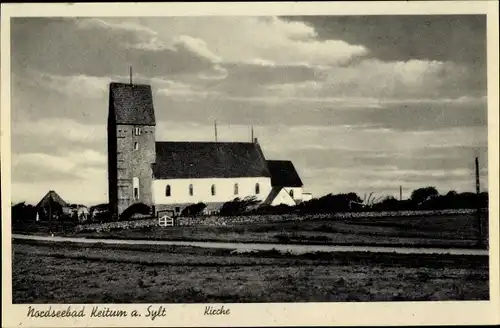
{"points": [[332, 203], [451, 193], [421, 195], [387, 204]]}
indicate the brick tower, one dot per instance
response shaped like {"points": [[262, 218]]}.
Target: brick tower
{"points": [[131, 145]]}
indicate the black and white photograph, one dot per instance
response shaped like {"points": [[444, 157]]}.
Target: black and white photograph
{"points": [[248, 159]]}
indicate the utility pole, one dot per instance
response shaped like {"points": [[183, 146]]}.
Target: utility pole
{"points": [[478, 205], [130, 75], [400, 193], [251, 138], [215, 129]]}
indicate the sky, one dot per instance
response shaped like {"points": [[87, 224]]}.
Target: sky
{"points": [[358, 103]]}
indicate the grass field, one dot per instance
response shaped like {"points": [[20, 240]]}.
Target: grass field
{"points": [[72, 273], [427, 231]]}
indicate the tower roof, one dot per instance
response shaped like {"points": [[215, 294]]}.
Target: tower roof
{"points": [[131, 104], [183, 160]]}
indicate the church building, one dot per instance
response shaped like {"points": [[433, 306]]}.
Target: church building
{"points": [[173, 175]]}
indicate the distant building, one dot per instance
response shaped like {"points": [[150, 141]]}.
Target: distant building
{"points": [[174, 175], [52, 205]]}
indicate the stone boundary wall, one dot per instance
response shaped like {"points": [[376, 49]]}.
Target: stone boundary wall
{"points": [[266, 218], [98, 227]]}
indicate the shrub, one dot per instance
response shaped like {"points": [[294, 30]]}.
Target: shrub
{"points": [[238, 206], [22, 213], [137, 208], [194, 209]]}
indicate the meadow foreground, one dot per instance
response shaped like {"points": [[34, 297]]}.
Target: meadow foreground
{"points": [[72, 273]]}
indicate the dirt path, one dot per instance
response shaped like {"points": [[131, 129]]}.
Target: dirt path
{"points": [[239, 247]]}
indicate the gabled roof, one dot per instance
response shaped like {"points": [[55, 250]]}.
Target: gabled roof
{"points": [[183, 160], [51, 196], [131, 104], [283, 174]]}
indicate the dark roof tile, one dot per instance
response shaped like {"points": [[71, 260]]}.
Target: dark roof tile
{"points": [[131, 104], [185, 160], [283, 174]]}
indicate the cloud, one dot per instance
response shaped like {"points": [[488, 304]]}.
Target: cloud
{"points": [[196, 45], [74, 85], [102, 48], [259, 39], [44, 167], [57, 129], [214, 73], [91, 23], [457, 38]]}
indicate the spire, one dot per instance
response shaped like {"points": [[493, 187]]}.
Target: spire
{"points": [[130, 75], [251, 138]]}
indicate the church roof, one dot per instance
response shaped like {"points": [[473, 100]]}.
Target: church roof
{"points": [[183, 160], [283, 174], [131, 104]]}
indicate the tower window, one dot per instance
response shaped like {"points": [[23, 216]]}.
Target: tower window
{"points": [[291, 193], [136, 146], [135, 185], [167, 191], [137, 131], [257, 188], [236, 189], [213, 190], [190, 190]]}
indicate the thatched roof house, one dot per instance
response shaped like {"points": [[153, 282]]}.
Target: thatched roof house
{"points": [[50, 199], [53, 204]]}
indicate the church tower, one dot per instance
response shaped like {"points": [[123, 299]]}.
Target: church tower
{"points": [[131, 145]]}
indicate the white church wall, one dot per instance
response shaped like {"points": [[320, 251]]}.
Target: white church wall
{"points": [[283, 197], [297, 192], [224, 190]]}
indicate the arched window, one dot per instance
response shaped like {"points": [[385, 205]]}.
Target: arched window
{"points": [[190, 190], [168, 192], [236, 189], [213, 190], [135, 184], [291, 193], [257, 188]]}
